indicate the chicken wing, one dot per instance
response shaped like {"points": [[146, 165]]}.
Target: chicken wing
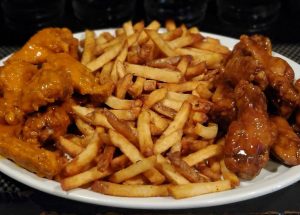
{"points": [[46, 42], [287, 145], [250, 137]]}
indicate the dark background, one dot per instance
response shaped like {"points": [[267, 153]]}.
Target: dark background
{"points": [[285, 29]]}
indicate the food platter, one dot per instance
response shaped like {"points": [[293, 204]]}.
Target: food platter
{"points": [[273, 177]]}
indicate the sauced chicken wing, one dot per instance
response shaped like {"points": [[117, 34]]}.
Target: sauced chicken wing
{"points": [[46, 42], [49, 125], [287, 145], [46, 87], [251, 60], [250, 137], [14, 77], [83, 80]]}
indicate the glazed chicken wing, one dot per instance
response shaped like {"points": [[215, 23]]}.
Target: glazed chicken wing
{"points": [[287, 145], [46, 42], [251, 60], [250, 137]]}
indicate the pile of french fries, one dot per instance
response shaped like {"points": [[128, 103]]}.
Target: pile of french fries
{"points": [[152, 136]]}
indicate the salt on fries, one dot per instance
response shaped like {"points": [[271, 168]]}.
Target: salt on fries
{"points": [[148, 138]]}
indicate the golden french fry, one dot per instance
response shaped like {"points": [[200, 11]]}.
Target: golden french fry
{"points": [[169, 171], [167, 141], [196, 189], [133, 170], [171, 35], [84, 158], [84, 127], [166, 111], [176, 105], [128, 28], [67, 146], [170, 25], [123, 85], [202, 154], [104, 75], [168, 62], [161, 44], [149, 85], [185, 40], [137, 180], [107, 56], [89, 45], [154, 97], [195, 70], [144, 134], [179, 120], [181, 87], [206, 132], [136, 89], [154, 25], [122, 104], [120, 59], [119, 162], [180, 97], [139, 26], [128, 115], [211, 59], [183, 64], [105, 158], [164, 75], [83, 178], [126, 190]]}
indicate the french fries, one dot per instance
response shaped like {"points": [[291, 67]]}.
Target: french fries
{"points": [[152, 134]]}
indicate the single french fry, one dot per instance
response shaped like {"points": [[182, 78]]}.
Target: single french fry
{"points": [[182, 87], [206, 132], [120, 32], [119, 162], [180, 97], [164, 75], [122, 104], [123, 85], [154, 97], [121, 127], [126, 190], [176, 105], [101, 47], [169, 171], [170, 25], [137, 180], [161, 44], [144, 134], [167, 141], [211, 59], [104, 75], [128, 115], [179, 120], [166, 111], [89, 45], [211, 46], [149, 85], [194, 30], [105, 158], [83, 178], [120, 59], [229, 175], [183, 64], [168, 62], [184, 40], [69, 147], [196, 189], [84, 127], [136, 89], [128, 28], [195, 70], [139, 26], [133, 170], [107, 56], [134, 155], [171, 35], [84, 158], [202, 154]]}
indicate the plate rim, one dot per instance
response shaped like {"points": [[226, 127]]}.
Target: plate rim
{"points": [[291, 175]]}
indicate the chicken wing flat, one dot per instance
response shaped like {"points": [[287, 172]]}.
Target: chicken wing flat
{"points": [[30, 156], [46, 42], [287, 145], [250, 137]]}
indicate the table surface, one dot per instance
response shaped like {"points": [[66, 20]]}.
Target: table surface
{"points": [[16, 198]]}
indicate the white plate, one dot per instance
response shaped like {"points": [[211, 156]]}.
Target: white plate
{"points": [[274, 177]]}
